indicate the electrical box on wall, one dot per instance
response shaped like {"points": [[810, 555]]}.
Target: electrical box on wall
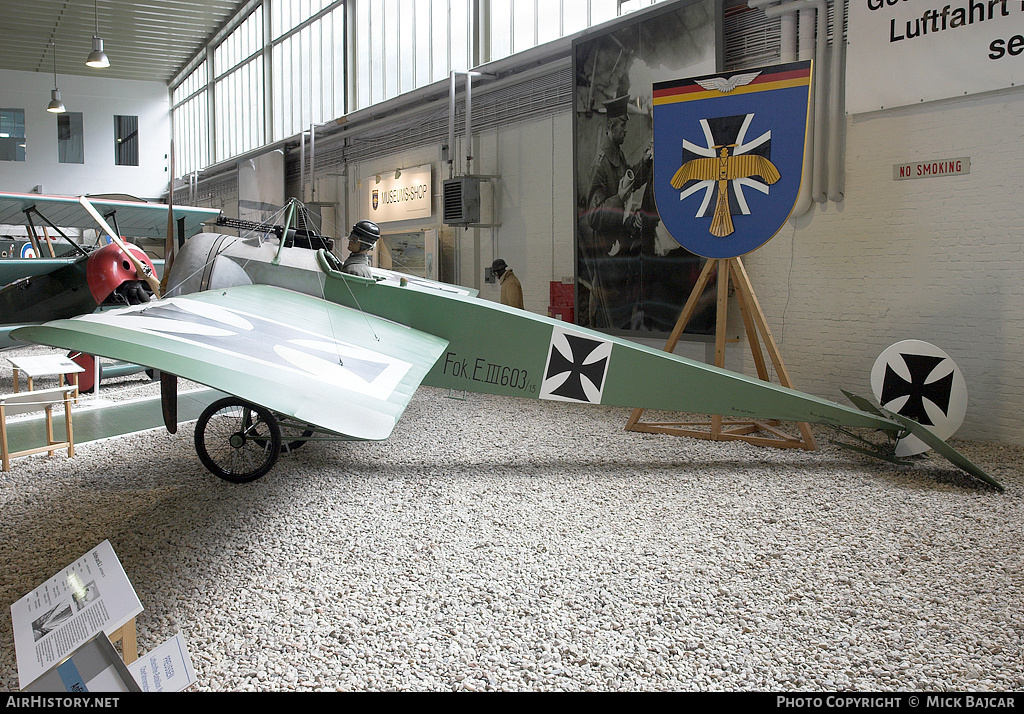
{"points": [[461, 200]]}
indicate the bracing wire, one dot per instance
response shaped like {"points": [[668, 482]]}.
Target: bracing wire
{"points": [[243, 236], [276, 218], [335, 230]]}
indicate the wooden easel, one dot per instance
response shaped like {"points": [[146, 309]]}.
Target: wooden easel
{"points": [[720, 429]]}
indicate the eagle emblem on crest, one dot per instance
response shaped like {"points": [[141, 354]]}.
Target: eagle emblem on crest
{"points": [[721, 84], [728, 156], [724, 169]]}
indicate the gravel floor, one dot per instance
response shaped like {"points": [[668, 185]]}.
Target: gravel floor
{"points": [[501, 544]]}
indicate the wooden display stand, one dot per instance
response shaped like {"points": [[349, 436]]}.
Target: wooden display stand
{"points": [[42, 400], [125, 634], [719, 428]]}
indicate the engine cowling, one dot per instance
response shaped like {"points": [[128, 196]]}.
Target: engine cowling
{"points": [[109, 269]]}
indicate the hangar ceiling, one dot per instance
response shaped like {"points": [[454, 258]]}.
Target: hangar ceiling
{"points": [[145, 39]]}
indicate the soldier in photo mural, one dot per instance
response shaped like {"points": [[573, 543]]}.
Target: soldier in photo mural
{"points": [[619, 214], [632, 274]]}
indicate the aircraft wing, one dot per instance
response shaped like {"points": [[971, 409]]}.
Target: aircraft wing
{"points": [[330, 366], [136, 219]]}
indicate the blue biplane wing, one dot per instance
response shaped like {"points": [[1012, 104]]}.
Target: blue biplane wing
{"points": [[136, 219]]}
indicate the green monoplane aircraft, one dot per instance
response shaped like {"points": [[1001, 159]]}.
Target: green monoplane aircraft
{"points": [[303, 348]]}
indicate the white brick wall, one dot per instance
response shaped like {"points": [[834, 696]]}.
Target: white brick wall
{"points": [[936, 259]]}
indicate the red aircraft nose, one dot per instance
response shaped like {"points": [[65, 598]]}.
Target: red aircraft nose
{"points": [[108, 268]]}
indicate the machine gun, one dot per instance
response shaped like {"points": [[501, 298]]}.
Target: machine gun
{"points": [[295, 237], [254, 226]]}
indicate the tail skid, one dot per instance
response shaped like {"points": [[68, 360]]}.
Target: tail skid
{"points": [[904, 427]]}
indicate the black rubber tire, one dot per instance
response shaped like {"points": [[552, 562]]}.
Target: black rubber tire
{"points": [[237, 441]]}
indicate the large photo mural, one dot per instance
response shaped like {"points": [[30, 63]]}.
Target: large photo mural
{"points": [[632, 276]]}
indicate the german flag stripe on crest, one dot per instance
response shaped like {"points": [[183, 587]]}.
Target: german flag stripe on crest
{"points": [[734, 83]]}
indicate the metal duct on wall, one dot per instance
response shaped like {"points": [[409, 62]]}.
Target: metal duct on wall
{"points": [[540, 96]]}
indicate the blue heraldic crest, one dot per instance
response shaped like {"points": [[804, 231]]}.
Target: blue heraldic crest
{"points": [[728, 156]]}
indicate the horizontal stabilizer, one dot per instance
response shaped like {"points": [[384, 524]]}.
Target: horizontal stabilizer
{"points": [[941, 447], [863, 404], [921, 432]]}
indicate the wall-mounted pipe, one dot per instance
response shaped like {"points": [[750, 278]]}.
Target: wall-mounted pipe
{"points": [[469, 122], [836, 120], [469, 118], [803, 199], [807, 23], [787, 38], [818, 190], [451, 125], [302, 166], [312, 163], [815, 161]]}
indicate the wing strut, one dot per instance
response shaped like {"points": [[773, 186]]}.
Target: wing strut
{"points": [[169, 401], [28, 216]]}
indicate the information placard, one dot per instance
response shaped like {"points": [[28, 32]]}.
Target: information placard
{"points": [[904, 52], [89, 596]]}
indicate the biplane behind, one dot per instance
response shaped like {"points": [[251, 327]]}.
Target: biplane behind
{"points": [[52, 273]]}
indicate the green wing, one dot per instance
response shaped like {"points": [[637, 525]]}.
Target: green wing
{"points": [[137, 219], [329, 366]]}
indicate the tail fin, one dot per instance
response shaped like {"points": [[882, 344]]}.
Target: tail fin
{"points": [[941, 447]]}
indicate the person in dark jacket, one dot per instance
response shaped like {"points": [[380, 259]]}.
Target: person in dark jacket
{"points": [[511, 290]]}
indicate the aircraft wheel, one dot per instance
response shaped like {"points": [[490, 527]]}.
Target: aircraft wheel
{"points": [[237, 441], [289, 446]]}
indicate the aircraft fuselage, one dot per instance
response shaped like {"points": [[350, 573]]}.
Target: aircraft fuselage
{"points": [[498, 349]]}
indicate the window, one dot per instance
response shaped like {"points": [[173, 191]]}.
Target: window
{"points": [[126, 140], [239, 117], [518, 25], [195, 81], [70, 141], [238, 91], [191, 135], [243, 42], [308, 72], [285, 16], [284, 65], [12, 134], [401, 45], [191, 120]]}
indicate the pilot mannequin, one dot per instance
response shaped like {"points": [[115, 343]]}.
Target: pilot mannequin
{"points": [[361, 240]]}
